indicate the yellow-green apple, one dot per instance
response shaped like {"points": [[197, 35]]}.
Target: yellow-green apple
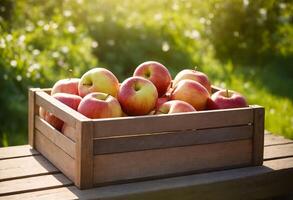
{"points": [[189, 74], [191, 92], [223, 99], [175, 106], [70, 100], [157, 73], [99, 105], [137, 96], [98, 80], [69, 86]]}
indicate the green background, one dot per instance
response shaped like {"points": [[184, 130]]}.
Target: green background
{"points": [[241, 45]]}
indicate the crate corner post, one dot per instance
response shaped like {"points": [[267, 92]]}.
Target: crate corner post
{"points": [[84, 154], [258, 135], [32, 110]]}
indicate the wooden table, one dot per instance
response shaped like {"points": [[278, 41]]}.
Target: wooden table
{"points": [[25, 174]]}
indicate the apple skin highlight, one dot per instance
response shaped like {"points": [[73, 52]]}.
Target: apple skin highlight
{"points": [[98, 80], [191, 92], [157, 73], [224, 99], [137, 96], [189, 74], [99, 105]]}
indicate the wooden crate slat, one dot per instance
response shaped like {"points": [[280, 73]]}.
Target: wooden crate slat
{"points": [[35, 183], [55, 136], [278, 151], [171, 139], [151, 163], [258, 135], [70, 132], [59, 109], [56, 155], [17, 151], [165, 123], [25, 166]]}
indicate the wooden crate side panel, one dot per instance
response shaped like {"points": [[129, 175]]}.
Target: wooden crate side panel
{"points": [[164, 123], [258, 135], [162, 162], [60, 110], [70, 132], [55, 136], [84, 155], [55, 155], [171, 139]]}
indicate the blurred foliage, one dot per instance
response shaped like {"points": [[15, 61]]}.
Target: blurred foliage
{"points": [[252, 31], [235, 42]]}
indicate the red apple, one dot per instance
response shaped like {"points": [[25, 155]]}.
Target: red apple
{"points": [[175, 106], [223, 99], [69, 86], [157, 73], [161, 100], [137, 96], [99, 105], [51, 119], [191, 92], [189, 74], [98, 80], [70, 100]]}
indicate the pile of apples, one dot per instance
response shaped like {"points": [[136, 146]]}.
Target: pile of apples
{"points": [[150, 91]]}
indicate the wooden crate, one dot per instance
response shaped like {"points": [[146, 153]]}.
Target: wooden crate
{"points": [[106, 151]]}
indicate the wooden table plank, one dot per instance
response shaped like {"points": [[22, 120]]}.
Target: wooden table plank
{"points": [[33, 183], [278, 151], [274, 178], [17, 151], [271, 139], [24, 167]]}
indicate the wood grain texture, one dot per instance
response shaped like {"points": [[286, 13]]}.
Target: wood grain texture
{"points": [[24, 167], [278, 151], [84, 155], [160, 162], [56, 155], [17, 151], [271, 140], [70, 132], [55, 136], [171, 139], [258, 135], [244, 183], [32, 110], [165, 123], [33, 184], [59, 109]]}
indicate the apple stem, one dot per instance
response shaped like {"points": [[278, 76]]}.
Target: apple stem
{"points": [[227, 92], [195, 68]]}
